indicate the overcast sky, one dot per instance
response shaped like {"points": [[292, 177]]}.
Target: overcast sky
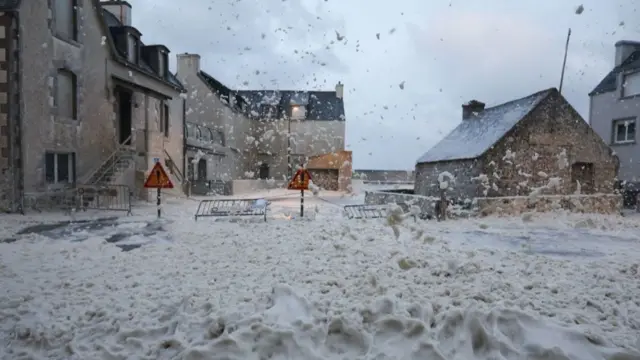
{"points": [[443, 53]]}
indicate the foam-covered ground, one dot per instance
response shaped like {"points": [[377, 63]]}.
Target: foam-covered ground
{"points": [[327, 288]]}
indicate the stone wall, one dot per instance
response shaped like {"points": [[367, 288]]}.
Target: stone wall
{"points": [[541, 149], [516, 205], [463, 189], [249, 186], [340, 161]]}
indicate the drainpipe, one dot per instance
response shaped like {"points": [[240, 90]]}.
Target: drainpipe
{"points": [[18, 165], [184, 139]]}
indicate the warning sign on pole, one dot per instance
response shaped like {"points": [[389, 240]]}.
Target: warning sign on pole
{"points": [[158, 179], [300, 180]]}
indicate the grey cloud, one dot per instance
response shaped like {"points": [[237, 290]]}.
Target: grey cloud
{"points": [[244, 43]]}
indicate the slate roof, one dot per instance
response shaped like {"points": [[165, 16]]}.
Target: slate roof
{"points": [[473, 137], [321, 105], [9, 4], [113, 25], [610, 82]]}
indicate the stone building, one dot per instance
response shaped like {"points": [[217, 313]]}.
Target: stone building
{"points": [[217, 128], [256, 134], [536, 144], [88, 101], [291, 126]]}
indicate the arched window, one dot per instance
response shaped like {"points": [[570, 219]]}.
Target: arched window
{"points": [[66, 96]]}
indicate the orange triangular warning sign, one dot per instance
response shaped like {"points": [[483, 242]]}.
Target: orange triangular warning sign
{"points": [[158, 178], [300, 180]]}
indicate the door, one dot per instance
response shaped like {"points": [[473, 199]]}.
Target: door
{"points": [[202, 170], [582, 178], [125, 105], [264, 171]]}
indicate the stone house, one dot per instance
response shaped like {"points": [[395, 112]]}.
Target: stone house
{"points": [[537, 144], [216, 129], [84, 104], [254, 134], [291, 126], [614, 109]]}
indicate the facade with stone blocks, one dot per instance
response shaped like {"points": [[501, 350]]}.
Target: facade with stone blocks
{"points": [[537, 145], [79, 88]]}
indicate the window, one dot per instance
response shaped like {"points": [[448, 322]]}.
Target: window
{"points": [[206, 134], [268, 111], [631, 84], [162, 64], [191, 131], [190, 169], [165, 119], [198, 132], [218, 137], [60, 168], [65, 100], [298, 112], [132, 49], [66, 19], [624, 131]]}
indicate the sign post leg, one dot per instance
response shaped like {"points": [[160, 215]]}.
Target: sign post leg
{"points": [[302, 196], [159, 191]]}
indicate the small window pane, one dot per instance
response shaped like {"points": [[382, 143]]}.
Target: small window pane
{"points": [[620, 132], [631, 131], [63, 168], [49, 168]]}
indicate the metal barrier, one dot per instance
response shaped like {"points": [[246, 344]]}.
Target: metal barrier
{"points": [[374, 211], [104, 197], [365, 211], [232, 207], [61, 199]]}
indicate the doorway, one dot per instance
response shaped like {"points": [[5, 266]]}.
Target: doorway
{"points": [[264, 171], [125, 114], [202, 170], [582, 177]]}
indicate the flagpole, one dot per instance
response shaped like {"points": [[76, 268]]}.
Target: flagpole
{"points": [[564, 62]]}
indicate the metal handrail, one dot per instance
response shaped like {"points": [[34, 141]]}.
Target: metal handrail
{"points": [[111, 157], [174, 167]]}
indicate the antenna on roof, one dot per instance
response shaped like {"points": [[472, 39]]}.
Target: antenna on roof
{"points": [[564, 62]]}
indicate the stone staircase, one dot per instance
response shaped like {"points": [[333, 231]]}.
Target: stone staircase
{"points": [[113, 167]]}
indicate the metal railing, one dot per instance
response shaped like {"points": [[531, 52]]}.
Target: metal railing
{"points": [[232, 207], [82, 197], [104, 197], [173, 168], [107, 166]]}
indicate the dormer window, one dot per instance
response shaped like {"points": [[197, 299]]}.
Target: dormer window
{"points": [[631, 84], [133, 54], [162, 64]]}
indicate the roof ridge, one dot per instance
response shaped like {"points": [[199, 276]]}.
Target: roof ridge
{"points": [[549, 91]]}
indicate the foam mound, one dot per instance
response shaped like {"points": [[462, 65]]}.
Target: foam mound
{"points": [[288, 326]]}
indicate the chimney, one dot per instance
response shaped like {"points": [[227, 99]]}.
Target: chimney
{"points": [[188, 64], [339, 90], [624, 48], [120, 9], [471, 108]]}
